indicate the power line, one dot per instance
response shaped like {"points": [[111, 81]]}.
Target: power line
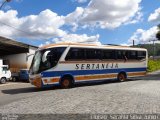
{"points": [[4, 2], [19, 29], [15, 28]]}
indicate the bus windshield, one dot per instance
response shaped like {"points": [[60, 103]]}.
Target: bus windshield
{"points": [[46, 59]]}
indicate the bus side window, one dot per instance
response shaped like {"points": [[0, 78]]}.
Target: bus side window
{"points": [[108, 54], [132, 55], [122, 55], [141, 55], [75, 54], [93, 54]]}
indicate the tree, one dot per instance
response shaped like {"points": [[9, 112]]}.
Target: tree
{"points": [[158, 33]]}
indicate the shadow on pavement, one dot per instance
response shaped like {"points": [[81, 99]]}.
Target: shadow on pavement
{"points": [[150, 77], [57, 87], [25, 90], [96, 83], [81, 84]]}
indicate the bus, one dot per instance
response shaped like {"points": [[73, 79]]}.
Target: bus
{"points": [[66, 64]]}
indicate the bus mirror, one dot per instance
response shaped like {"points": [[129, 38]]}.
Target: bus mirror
{"points": [[44, 57], [28, 56]]}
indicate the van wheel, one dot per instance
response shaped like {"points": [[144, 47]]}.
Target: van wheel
{"points": [[66, 82], [3, 80], [121, 77], [14, 79]]}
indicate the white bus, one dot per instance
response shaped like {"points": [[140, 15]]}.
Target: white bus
{"points": [[67, 64]]}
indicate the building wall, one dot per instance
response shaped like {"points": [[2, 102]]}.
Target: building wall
{"points": [[1, 62]]}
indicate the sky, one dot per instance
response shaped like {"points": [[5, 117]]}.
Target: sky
{"points": [[41, 22]]}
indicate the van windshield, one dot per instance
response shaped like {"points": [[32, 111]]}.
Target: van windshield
{"points": [[4, 68], [46, 59]]}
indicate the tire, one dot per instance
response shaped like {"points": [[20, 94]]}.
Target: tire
{"points": [[66, 83], [121, 77], [3, 80], [14, 79]]}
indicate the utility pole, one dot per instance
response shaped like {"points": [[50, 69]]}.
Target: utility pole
{"points": [[133, 43], [5, 1], [154, 49]]}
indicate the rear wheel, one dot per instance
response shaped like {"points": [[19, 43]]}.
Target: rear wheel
{"points": [[3, 80], [122, 77], [14, 79], [66, 82]]}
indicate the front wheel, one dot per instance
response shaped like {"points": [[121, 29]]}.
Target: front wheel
{"points": [[66, 82], [121, 77], [3, 80]]}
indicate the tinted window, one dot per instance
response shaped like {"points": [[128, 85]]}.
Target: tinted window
{"points": [[141, 55], [121, 54], [108, 54], [50, 57], [75, 54], [46, 59], [132, 55], [5, 68], [93, 54]]}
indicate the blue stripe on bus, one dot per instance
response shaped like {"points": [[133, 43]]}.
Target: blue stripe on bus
{"points": [[87, 72]]}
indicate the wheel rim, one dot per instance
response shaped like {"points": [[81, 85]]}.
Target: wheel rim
{"points": [[3, 80], [14, 79], [122, 77], [66, 83]]}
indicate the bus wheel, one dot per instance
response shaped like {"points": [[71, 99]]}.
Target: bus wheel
{"points": [[66, 82], [3, 80], [121, 77]]}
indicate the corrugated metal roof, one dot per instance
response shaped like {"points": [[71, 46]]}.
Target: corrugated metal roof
{"points": [[9, 46]]}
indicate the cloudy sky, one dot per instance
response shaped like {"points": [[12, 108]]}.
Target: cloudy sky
{"points": [[40, 22]]}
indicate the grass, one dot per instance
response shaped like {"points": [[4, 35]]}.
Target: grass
{"points": [[153, 65]]}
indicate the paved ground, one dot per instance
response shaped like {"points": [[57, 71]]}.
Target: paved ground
{"points": [[135, 96]]}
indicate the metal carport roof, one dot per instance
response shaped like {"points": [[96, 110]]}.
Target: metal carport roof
{"points": [[9, 46]]}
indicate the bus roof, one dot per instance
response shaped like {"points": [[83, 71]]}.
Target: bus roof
{"points": [[89, 46]]}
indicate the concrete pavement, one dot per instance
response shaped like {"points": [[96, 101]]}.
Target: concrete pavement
{"points": [[140, 95]]}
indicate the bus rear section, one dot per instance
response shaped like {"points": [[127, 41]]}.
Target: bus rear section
{"points": [[68, 64]]}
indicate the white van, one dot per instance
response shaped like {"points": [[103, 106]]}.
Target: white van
{"points": [[5, 74]]}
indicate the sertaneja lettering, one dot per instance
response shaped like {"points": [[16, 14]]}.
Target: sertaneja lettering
{"points": [[96, 66]]}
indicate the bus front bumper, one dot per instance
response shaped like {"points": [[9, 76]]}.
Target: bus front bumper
{"points": [[36, 81]]}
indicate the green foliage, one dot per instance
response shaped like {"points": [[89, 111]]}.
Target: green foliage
{"points": [[153, 65], [150, 47]]}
